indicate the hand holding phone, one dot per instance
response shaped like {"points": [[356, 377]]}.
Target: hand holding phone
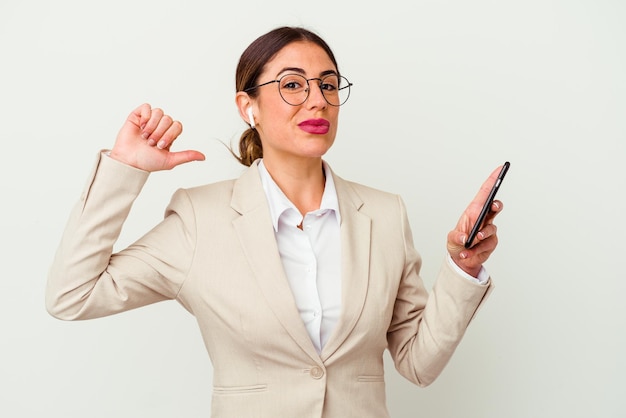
{"points": [[487, 206]]}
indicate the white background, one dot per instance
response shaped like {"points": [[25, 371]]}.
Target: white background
{"points": [[444, 91]]}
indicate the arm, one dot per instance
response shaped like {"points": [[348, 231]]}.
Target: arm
{"points": [[86, 280], [426, 328]]}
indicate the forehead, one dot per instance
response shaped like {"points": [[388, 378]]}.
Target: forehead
{"points": [[308, 56]]}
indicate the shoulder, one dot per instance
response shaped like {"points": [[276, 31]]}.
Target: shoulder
{"points": [[220, 188], [205, 197]]}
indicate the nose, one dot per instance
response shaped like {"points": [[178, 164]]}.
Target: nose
{"points": [[316, 97]]}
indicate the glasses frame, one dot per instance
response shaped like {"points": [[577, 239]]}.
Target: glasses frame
{"points": [[308, 87]]}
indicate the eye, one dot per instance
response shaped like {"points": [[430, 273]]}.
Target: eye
{"points": [[292, 83], [330, 84]]}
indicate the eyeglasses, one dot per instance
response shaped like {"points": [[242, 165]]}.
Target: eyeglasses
{"points": [[294, 88]]}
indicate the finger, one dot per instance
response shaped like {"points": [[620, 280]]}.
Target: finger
{"points": [[481, 251], [497, 206], [152, 122], [140, 115], [174, 129], [162, 126], [485, 188], [455, 242], [471, 259], [486, 232], [144, 111], [495, 209]]}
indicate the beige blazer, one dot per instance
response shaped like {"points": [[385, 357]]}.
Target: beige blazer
{"points": [[215, 253]]}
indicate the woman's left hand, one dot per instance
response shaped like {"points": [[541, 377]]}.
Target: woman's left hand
{"points": [[471, 259]]}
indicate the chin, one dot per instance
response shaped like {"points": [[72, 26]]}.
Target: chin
{"points": [[316, 152], [318, 145]]}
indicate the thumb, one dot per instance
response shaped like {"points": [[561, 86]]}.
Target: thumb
{"points": [[181, 157]]}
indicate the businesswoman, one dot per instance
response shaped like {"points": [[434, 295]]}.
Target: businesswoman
{"points": [[299, 279]]}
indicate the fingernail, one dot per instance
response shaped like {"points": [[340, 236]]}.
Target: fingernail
{"points": [[151, 142], [145, 135], [481, 235], [161, 144], [463, 238], [463, 255]]}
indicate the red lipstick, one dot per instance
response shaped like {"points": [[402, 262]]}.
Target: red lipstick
{"points": [[315, 126]]}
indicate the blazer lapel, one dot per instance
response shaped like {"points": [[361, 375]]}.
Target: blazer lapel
{"points": [[256, 235], [355, 255]]}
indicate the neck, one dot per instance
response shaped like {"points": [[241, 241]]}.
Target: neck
{"points": [[302, 182]]}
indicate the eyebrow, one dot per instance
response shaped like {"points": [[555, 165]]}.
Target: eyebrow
{"points": [[301, 71]]}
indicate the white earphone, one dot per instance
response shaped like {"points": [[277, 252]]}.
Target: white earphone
{"points": [[251, 117]]}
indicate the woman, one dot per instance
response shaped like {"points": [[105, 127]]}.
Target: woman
{"points": [[299, 280]]}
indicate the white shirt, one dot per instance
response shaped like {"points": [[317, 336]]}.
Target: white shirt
{"points": [[311, 256]]}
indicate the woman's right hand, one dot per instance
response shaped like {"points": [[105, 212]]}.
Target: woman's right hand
{"points": [[145, 139]]}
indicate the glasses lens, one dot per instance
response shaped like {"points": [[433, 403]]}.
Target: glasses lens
{"points": [[293, 89], [336, 90]]}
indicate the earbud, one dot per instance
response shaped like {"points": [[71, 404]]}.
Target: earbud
{"points": [[251, 117]]}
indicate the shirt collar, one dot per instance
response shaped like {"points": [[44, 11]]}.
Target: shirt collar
{"points": [[279, 203]]}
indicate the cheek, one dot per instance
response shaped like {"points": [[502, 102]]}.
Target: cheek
{"points": [[272, 109], [334, 123]]}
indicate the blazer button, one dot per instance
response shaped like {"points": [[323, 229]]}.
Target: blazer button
{"points": [[317, 373]]}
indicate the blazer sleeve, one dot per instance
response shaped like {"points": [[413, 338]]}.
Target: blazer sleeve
{"points": [[426, 328], [86, 280]]}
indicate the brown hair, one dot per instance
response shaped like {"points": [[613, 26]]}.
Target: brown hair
{"points": [[251, 65]]}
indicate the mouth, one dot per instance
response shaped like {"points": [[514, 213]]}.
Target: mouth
{"points": [[315, 126]]}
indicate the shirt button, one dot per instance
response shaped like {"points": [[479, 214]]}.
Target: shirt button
{"points": [[317, 373]]}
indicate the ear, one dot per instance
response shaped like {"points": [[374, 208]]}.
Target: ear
{"points": [[244, 102]]}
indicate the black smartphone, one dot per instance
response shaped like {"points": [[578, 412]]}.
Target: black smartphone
{"points": [[487, 205]]}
